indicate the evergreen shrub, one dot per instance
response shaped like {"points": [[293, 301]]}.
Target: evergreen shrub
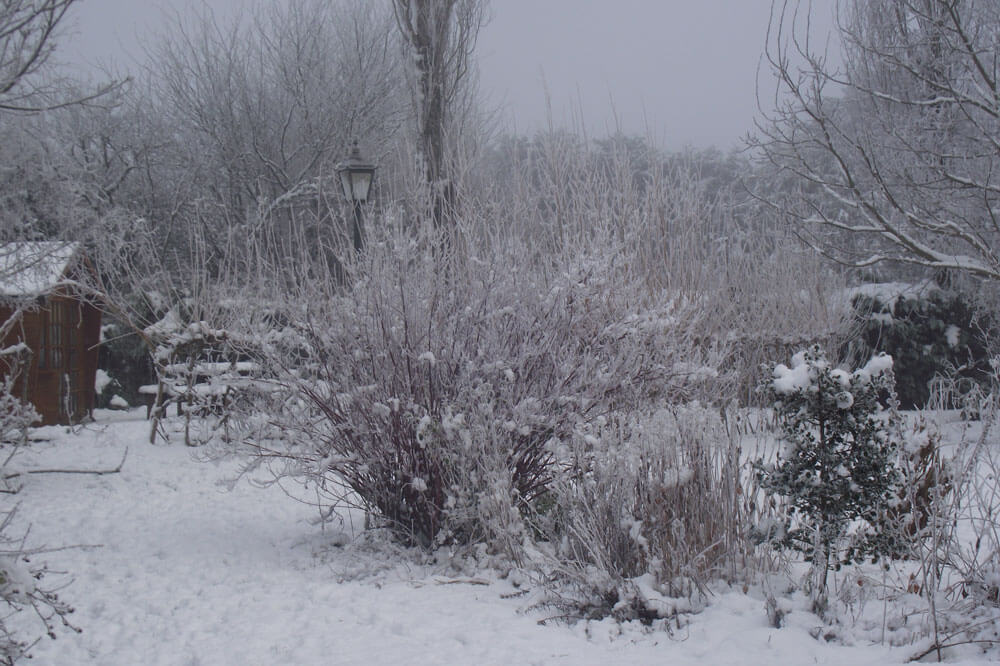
{"points": [[937, 334], [838, 468]]}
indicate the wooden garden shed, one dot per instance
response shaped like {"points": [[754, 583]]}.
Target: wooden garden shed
{"points": [[52, 325]]}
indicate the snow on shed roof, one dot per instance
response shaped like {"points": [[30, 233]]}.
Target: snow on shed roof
{"points": [[34, 268]]}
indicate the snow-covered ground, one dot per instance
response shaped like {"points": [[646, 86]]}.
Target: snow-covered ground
{"points": [[183, 571]]}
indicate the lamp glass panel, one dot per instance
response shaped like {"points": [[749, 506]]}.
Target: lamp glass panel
{"points": [[345, 183], [362, 181]]}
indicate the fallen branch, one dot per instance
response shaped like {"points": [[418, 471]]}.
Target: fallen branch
{"points": [[453, 581], [567, 617], [96, 472], [461, 581], [942, 645]]}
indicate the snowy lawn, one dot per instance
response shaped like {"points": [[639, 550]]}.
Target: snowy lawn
{"points": [[185, 572]]}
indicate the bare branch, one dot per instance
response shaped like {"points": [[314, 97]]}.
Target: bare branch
{"points": [[897, 146]]}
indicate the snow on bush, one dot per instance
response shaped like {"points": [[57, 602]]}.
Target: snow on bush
{"points": [[21, 590], [445, 405], [16, 415], [939, 341], [838, 469]]}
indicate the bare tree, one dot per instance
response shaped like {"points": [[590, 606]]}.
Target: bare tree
{"points": [[26, 46], [59, 170], [260, 110], [441, 35], [892, 156]]}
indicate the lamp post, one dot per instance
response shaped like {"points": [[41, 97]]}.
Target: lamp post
{"points": [[356, 176]]}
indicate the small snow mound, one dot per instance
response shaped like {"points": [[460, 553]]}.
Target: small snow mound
{"points": [[101, 380], [789, 380], [877, 366], [951, 334], [842, 376]]}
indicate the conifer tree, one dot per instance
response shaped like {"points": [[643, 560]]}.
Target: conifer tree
{"points": [[838, 466]]}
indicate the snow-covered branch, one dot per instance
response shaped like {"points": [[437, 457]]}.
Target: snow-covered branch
{"points": [[897, 146]]}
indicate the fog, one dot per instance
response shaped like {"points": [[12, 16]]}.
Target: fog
{"points": [[681, 73]]}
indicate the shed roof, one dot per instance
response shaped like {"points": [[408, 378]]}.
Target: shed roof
{"points": [[34, 268]]}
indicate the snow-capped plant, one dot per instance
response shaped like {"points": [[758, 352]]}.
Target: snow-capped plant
{"points": [[16, 416], [939, 341], [838, 468]]}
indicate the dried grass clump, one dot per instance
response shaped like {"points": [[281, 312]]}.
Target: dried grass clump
{"points": [[648, 512]]}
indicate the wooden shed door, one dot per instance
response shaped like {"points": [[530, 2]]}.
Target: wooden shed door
{"points": [[59, 391]]}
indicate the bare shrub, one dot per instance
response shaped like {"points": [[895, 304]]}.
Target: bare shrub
{"points": [[438, 403], [926, 487], [681, 231], [958, 546], [21, 588], [16, 414]]}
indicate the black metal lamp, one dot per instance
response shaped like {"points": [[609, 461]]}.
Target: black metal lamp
{"points": [[356, 175]]}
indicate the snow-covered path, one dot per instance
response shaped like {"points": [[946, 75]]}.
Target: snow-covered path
{"points": [[188, 573]]}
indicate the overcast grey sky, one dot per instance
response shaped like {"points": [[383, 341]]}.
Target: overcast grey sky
{"points": [[681, 71]]}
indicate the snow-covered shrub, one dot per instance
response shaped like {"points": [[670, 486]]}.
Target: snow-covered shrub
{"points": [[21, 589], [926, 485], [838, 468], [932, 335], [16, 414], [440, 404], [646, 515]]}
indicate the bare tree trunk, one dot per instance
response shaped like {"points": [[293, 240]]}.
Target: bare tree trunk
{"points": [[441, 35]]}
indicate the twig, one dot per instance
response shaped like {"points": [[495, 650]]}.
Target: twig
{"points": [[940, 646], [96, 472], [44, 550], [454, 581], [514, 595], [566, 616], [461, 581]]}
